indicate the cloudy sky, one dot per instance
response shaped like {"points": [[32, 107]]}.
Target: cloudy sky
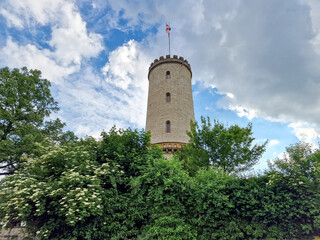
{"points": [[252, 60]]}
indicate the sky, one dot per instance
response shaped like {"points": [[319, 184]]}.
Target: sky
{"points": [[253, 61]]}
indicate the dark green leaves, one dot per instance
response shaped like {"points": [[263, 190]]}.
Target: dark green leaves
{"points": [[228, 148], [122, 188], [25, 101]]}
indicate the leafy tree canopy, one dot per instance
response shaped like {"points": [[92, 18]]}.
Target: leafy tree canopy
{"points": [[25, 104], [295, 183], [121, 188], [300, 163], [228, 148]]}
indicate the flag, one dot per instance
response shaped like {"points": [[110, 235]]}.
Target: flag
{"points": [[168, 29]]}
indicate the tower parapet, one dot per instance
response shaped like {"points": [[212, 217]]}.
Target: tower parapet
{"points": [[170, 102], [168, 59]]}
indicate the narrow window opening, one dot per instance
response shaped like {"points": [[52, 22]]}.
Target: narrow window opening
{"points": [[168, 127], [167, 74], [168, 97]]}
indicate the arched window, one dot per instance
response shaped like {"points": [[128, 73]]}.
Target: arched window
{"points": [[168, 127], [167, 74], [168, 97]]}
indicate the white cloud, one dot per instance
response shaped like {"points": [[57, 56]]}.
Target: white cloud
{"points": [[273, 142], [70, 40], [305, 132], [14, 55], [12, 19], [265, 53], [124, 64], [126, 72], [30, 12], [241, 111], [92, 102]]}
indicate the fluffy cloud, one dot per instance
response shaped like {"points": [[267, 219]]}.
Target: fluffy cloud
{"points": [[265, 53], [126, 74], [14, 55], [27, 13], [92, 101], [70, 41], [127, 66], [273, 142], [305, 133], [12, 19]]}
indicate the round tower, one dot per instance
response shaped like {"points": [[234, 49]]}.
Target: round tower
{"points": [[170, 103]]}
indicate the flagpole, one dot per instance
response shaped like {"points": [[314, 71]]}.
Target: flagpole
{"points": [[169, 45], [169, 38]]}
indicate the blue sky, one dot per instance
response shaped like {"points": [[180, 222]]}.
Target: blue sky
{"points": [[252, 61]]}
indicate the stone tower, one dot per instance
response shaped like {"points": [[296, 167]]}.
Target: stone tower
{"points": [[170, 103]]}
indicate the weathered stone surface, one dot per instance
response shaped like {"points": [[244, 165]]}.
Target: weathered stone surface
{"points": [[16, 233], [179, 111]]}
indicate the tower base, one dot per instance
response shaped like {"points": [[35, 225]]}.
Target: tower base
{"points": [[170, 147]]}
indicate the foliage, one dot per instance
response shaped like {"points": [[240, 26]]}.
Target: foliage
{"points": [[125, 147], [226, 148], [60, 188], [295, 184], [126, 210], [301, 163], [25, 103], [80, 190], [121, 188], [211, 205], [165, 190]]}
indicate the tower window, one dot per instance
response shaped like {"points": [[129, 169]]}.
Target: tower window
{"points": [[168, 127], [168, 75], [168, 97]]}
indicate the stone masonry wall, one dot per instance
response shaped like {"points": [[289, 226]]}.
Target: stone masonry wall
{"points": [[16, 233], [179, 111]]}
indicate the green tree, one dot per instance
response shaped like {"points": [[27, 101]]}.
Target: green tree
{"points": [[81, 189], [59, 190], [125, 210], [295, 184], [301, 163], [228, 148], [210, 205], [164, 188], [25, 104]]}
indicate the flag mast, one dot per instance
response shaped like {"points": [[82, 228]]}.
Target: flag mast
{"points": [[168, 29]]}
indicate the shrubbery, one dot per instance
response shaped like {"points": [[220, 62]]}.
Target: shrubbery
{"points": [[121, 188]]}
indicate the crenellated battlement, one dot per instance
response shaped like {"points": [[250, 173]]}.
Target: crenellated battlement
{"points": [[169, 59]]}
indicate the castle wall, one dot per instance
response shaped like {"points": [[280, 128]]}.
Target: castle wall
{"points": [[179, 111], [16, 233]]}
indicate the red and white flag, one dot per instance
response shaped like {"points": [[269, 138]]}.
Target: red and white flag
{"points": [[168, 29]]}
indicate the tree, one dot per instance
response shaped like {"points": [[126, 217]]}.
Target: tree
{"points": [[59, 190], [121, 188], [80, 189], [228, 148], [301, 163], [295, 183], [25, 103], [164, 188]]}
